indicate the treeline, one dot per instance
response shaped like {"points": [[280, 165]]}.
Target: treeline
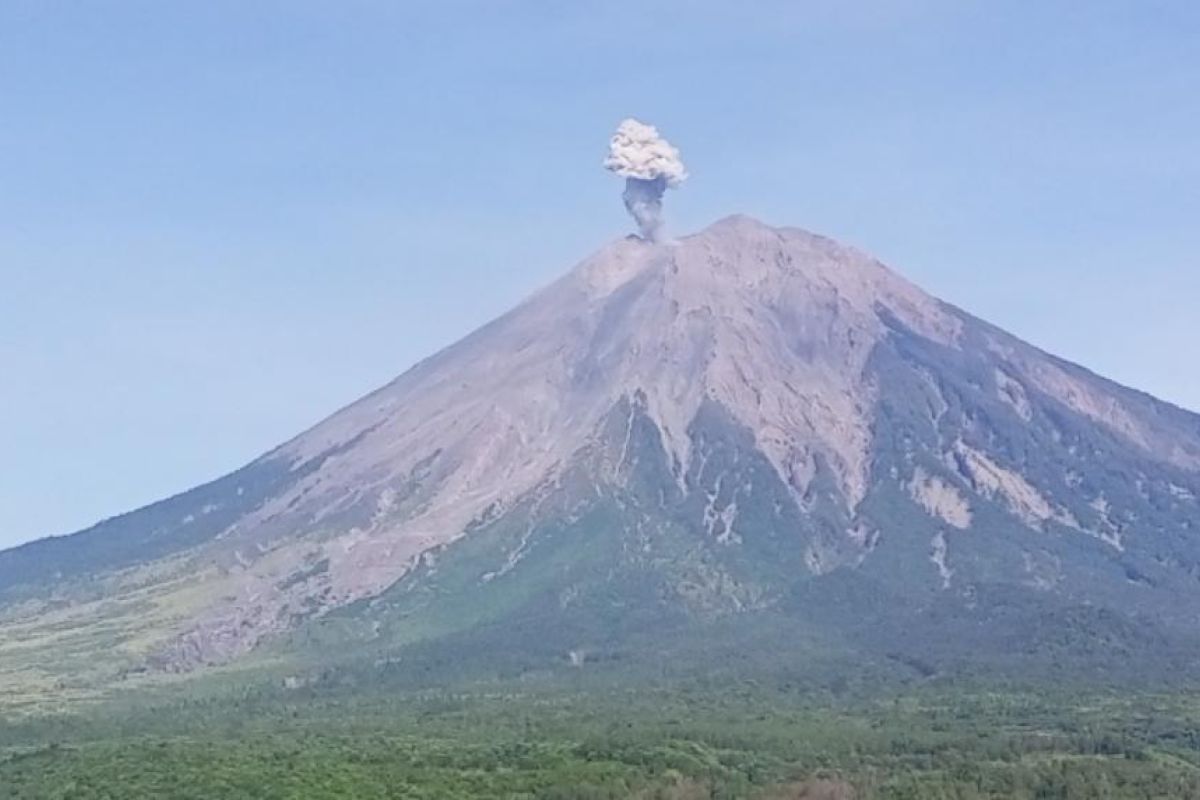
{"points": [[678, 743]]}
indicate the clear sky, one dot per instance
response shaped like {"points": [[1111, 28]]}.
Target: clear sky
{"points": [[220, 221]]}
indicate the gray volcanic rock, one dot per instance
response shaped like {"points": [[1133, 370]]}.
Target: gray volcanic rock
{"points": [[749, 420]]}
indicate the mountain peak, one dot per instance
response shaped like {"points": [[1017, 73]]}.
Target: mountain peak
{"points": [[743, 383], [773, 326]]}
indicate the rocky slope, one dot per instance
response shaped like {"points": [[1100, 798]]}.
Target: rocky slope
{"points": [[748, 421]]}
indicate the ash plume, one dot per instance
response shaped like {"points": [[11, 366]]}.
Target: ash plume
{"points": [[650, 165]]}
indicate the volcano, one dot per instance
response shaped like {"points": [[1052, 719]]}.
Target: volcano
{"points": [[752, 440]]}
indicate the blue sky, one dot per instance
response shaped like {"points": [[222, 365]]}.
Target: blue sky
{"points": [[220, 221]]}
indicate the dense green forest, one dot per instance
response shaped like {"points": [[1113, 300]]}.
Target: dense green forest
{"points": [[586, 740]]}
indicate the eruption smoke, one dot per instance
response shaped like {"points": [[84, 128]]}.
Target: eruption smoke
{"points": [[650, 166]]}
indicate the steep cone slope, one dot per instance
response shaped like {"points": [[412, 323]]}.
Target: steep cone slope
{"points": [[749, 421]]}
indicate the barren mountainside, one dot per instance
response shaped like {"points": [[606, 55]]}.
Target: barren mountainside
{"points": [[750, 423]]}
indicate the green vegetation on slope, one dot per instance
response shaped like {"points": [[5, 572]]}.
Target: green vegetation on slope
{"points": [[744, 740]]}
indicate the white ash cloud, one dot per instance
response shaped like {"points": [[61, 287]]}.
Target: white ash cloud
{"points": [[650, 165]]}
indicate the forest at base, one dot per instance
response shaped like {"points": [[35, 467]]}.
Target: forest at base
{"points": [[591, 741]]}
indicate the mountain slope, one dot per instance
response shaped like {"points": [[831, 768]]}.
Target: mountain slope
{"points": [[750, 423]]}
